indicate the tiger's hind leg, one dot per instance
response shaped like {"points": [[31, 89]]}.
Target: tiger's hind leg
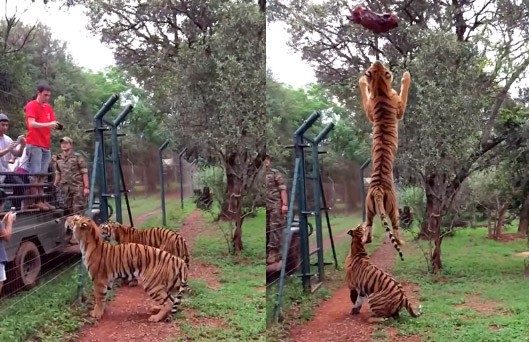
{"points": [[370, 214], [384, 305], [164, 306], [392, 212]]}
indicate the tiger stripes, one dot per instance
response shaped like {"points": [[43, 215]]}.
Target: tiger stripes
{"points": [[383, 108], [366, 280], [162, 274], [158, 237]]}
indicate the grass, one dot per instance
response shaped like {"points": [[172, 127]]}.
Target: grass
{"points": [[477, 270], [297, 306], [45, 313], [239, 303]]}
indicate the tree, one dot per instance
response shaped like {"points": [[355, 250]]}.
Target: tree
{"points": [[203, 65], [463, 57]]}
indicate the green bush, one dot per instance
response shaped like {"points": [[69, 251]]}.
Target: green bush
{"points": [[214, 177], [415, 198]]}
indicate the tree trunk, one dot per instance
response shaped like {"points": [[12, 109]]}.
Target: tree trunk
{"points": [[434, 229], [524, 216], [237, 234], [500, 221], [426, 232]]}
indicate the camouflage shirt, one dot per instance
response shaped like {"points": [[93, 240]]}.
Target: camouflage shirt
{"points": [[71, 168], [274, 185]]}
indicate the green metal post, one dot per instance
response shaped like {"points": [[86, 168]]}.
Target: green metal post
{"points": [[162, 181], [180, 155], [88, 213], [116, 161], [102, 173], [362, 189], [317, 196]]}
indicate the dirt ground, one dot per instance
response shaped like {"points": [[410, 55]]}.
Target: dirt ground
{"points": [[125, 318], [332, 321]]}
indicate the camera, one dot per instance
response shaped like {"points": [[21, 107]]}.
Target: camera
{"points": [[59, 126]]}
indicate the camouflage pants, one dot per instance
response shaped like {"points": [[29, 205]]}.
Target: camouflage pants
{"points": [[275, 223], [75, 201]]}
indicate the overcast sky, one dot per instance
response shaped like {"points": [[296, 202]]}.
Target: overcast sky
{"points": [[68, 25]]}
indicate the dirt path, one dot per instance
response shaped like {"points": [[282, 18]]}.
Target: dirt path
{"points": [[125, 318], [332, 320]]}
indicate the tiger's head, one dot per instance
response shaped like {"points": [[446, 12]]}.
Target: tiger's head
{"points": [[116, 231], [108, 230], [357, 241], [83, 228], [378, 78]]}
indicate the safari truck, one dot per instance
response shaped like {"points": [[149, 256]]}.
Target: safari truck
{"points": [[36, 234]]}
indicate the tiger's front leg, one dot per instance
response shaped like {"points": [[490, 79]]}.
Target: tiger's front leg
{"points": [[366, 103], [358, 304], [403, 96], [100, 292]]}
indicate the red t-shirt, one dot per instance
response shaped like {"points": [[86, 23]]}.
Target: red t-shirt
{"points": [[40, 136]]}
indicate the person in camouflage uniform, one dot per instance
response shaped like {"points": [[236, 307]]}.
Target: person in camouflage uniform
{"points": [[71, 174], [276, 209]]}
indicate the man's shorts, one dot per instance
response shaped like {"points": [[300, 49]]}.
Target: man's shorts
{"points": [[2, 272], [38, 159]]}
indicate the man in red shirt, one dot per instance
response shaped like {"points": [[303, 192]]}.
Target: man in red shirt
{"points": [[40, 120]]}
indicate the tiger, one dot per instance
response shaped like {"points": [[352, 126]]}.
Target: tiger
{"points": [[384, 107], [162, 238], [163, 275], [366, 280], [158, 237]]}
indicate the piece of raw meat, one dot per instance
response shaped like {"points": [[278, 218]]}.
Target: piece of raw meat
{"points": [[378, 23]]}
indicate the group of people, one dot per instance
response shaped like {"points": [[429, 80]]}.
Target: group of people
{"points": [[30, 157]]}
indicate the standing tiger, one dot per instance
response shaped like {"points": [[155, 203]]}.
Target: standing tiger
{"points": [[384, 107], [366, 280], [165, 239], [163, 275]]}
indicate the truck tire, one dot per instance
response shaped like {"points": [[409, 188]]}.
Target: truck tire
{"points": [[27, 264]]}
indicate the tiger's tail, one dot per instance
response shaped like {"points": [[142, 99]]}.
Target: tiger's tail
{"points": [[410, 310], [379, 202]]}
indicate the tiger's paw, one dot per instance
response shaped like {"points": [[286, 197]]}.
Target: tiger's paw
{"points": [[133, 283], [363, 81], [154, 309], [406, 78], [157, 318], [97, 314]]}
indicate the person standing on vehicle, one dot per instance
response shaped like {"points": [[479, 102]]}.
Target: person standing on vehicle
{"points": [[276, 209], [6, 229], [71, 174], [40, 121], [8, 148]]}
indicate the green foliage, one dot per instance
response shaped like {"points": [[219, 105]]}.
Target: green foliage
{"points": [[215, 178], [239, 301], [414, 197], [479, 296]]}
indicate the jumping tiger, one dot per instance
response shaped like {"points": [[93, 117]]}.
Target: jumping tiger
{"points": [[384, 107], [366, 280], [163, 275]]}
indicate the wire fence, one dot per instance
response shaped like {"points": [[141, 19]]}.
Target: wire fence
{"points": [[43, 266]]}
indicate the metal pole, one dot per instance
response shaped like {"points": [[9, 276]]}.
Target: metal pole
{"points": [[116, 164], [162, 185], [287, 236], [180, 155]]}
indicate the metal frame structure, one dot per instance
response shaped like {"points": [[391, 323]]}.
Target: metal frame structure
{"points": [[298, 193], [99, 175]]}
